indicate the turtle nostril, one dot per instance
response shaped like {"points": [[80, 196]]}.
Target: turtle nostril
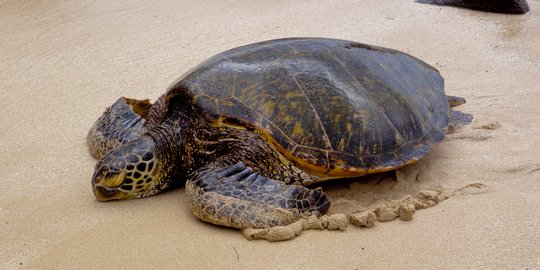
{"points": [[98, 175]]}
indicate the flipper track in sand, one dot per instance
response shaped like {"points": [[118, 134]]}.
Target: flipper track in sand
{"points": [[388, 211]]}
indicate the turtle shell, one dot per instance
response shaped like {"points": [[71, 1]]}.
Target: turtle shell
{"points": [[335, 108]]}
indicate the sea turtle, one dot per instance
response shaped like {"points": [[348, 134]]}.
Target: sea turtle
{"points": [[248, 129]]}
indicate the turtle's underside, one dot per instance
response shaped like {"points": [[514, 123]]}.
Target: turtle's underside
{"points": [[248, 129]]}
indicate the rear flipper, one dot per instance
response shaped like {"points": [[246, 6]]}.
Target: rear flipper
{"points": [[236, 196], [457, 118], [121, 123]]}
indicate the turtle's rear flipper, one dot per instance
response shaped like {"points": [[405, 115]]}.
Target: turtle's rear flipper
{"points": [[457, 120], [236, 196], [121, 123]]}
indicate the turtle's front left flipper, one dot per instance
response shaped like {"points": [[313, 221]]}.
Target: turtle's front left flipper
{"points": [[121, 123], [236, 196]]}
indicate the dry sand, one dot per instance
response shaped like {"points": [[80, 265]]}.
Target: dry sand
{"points": [[63, 62]]}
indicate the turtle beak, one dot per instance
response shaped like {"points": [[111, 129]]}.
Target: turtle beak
{"points": [[105, 187], [104, 194]]}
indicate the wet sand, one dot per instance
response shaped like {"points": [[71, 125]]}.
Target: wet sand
{"points": [[62, 63]]}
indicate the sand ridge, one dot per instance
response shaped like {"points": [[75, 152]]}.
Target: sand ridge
{"points": [[383, 211]]}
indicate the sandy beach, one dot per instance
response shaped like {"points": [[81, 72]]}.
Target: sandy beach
{"points": [[63, 62]]}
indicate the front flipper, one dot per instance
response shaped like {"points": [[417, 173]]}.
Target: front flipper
{"points": [[121, 123], [236, 196]]}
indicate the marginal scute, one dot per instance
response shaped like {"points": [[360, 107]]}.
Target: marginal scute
{"points": [[315, 160], [344, 165]]}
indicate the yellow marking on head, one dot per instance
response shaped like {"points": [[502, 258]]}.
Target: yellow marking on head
{"points": [[115, 180]]}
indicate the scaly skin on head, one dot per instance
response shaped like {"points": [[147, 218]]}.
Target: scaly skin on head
{"points": [[135, 154], [134, 170], [135, 161]]}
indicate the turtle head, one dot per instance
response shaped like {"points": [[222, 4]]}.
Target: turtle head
{"points": [[130, 171]]}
